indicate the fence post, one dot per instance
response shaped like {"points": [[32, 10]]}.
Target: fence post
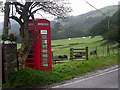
{"points": [[113, 50], [71, 54], [52, 57], [96, 51], [103, 50], [107, 49], [86, 53]]}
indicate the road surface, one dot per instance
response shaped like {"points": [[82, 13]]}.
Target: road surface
{"points": [[104, 80]]}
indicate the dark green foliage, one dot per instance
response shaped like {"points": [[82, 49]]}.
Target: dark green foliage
{"points": [[101, 28], [112, 35], [35, 78]]}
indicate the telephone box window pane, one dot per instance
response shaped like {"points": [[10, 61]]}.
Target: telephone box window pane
{"points": [[30, 31], [44, 36], [45, 65], [44, 60], [30, 40], [31, 52], [43, 31], [44, 51], [44, 55], [44, 41], [44, 46], [30, 56], [30, 37], [32, 47]]}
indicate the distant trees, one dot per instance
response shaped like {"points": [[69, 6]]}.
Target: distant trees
{"points": [[111, 34], [99, 28], [59, 32]]}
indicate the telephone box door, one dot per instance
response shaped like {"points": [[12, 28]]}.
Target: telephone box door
{"points": [[45, 52], [45, 48]]}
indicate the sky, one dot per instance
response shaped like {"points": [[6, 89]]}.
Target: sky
{"points": [[80, 7]]}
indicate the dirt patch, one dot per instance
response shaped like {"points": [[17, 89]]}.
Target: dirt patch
{"points": [[76, 43], [56, 45]]}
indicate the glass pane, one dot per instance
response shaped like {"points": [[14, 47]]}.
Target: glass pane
{"points": [[44, 55], [31, 52], [44, 36], [44, 60], [44, 46], [30, 31], [31, 40], [30, 37], [44, 51], [32, 47], [43, 31], [45, 65], [44, 41], [30, 56]]}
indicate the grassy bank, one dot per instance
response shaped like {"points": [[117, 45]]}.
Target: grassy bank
{"points": [[60, 72]]}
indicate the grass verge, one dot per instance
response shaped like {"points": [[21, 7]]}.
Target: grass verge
{"points": [[34, 78]]}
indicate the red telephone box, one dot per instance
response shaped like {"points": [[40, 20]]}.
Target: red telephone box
{"points": [[40, 55]]}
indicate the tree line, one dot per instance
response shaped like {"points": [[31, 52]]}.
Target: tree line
{"points": [[101, 28]]}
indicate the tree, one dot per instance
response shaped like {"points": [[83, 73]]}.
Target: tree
{"points": [[24, 11]]}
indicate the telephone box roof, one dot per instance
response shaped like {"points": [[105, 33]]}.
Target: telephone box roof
{"points": [[38, 19]]}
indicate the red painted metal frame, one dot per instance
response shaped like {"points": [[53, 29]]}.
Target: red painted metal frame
{"points": [[36, 61]]}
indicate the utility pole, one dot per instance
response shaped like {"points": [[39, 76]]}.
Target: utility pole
{"points": [[6, 18], [108, 21]]}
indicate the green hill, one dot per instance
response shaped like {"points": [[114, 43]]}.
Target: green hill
{"points": [[76, 26], [111, 33]]}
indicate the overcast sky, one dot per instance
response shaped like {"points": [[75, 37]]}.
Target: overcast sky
{"points": [[80, 7]]}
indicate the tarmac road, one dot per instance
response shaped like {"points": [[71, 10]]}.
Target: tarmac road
{"points": [[104, 80]]}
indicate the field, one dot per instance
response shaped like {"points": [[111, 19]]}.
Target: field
{"points": [[62, 47]]}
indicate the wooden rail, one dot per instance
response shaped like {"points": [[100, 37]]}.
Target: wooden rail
{"points": [[83, 55], [61, 60]]}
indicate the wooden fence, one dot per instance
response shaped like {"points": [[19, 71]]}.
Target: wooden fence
{"points": [[100, 51], [59, 60], [106, 50], [82, 54]]}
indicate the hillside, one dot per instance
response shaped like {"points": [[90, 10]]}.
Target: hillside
{"points": [[111, 33], [76, 26]]}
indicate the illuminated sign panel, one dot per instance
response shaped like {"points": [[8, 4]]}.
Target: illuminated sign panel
{"points": [[43, 24]]}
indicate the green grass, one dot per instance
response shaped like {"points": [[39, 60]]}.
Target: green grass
{"points": [[35, 78]]}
